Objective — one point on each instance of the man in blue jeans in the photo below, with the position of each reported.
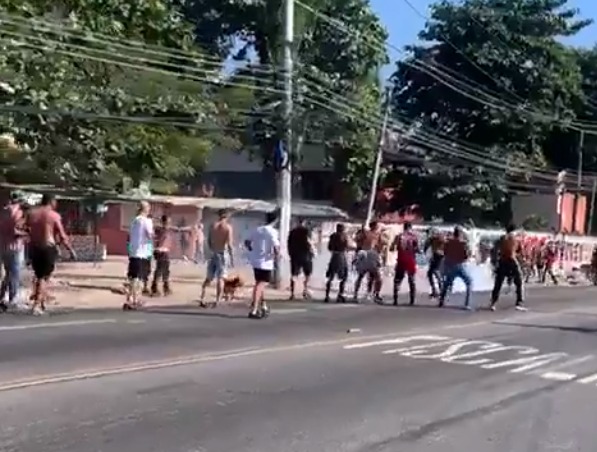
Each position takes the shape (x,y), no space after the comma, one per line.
(456,253)
(12,234)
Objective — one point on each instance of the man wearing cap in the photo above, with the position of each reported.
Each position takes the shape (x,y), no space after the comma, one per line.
(12,235)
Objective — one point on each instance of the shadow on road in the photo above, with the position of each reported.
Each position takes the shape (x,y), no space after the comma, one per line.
(573,329)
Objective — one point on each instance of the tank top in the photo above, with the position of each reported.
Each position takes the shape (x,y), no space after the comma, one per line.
(407,248)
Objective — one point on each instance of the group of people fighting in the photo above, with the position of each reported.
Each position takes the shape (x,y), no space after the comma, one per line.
(447,263)
(30,236)
(33,235)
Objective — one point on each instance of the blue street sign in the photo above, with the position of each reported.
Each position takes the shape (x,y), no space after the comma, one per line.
(281,157)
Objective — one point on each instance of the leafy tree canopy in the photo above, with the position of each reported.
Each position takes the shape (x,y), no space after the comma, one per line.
(335,65)
(90,105)
(513,83)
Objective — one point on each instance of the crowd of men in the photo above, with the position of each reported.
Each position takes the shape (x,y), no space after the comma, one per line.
(34,234)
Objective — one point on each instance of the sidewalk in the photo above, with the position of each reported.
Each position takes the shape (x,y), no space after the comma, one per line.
(99,286)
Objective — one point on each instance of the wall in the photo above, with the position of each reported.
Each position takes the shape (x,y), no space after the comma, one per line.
(548,207)
(113,228)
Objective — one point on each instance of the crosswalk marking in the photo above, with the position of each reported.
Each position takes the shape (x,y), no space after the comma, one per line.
(558,376)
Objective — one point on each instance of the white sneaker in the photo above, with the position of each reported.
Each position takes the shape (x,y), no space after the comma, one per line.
(521,308)
(37,311)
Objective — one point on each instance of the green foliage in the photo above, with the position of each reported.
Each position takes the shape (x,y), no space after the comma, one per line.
(513,53)
(86,117)
(330,64)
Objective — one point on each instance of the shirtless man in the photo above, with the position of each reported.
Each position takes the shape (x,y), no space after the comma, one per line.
(509,248)
(45,226)
(370,245)
(219,241)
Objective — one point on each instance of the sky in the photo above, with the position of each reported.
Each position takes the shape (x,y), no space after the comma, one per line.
(403,23)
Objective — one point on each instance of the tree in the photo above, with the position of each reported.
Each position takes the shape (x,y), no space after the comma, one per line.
(91,111)
(515,55)
(335,65)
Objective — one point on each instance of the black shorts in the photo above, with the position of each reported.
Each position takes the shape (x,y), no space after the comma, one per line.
(139,268)
(262,276)
(338,267)
(302,264)
(43,260)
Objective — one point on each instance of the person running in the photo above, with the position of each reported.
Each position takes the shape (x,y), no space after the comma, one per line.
(368,260)
(219,241)
(435,243)
(300,252)
(163,246)
(12,235)
(263,246)
(45,233)
(338,246)
(508,267)
(140,250)
(407,247)
(456,254)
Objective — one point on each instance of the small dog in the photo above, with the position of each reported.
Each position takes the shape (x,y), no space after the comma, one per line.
(231,285)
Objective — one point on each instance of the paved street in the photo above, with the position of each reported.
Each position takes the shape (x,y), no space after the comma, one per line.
(312,377)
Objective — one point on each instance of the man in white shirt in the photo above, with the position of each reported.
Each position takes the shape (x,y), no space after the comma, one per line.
(140,250)
(263,245)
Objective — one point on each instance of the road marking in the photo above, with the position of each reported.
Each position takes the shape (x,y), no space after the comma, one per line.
(135,322)
(289,311)
(558,376)
(30,326)
(565,365)
(80,375)
(588,379)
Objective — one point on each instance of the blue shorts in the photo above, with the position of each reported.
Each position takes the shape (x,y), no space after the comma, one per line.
(216,266)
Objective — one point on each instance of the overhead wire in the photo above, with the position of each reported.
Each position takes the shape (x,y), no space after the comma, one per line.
(160,62)
(422,66)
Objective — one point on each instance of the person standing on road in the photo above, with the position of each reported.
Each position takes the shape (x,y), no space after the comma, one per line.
(338,246)
(12,235)
(163,246)
(368,260)
(508,267)
(407,247)
(219,241)
(435,243)
(140,249)
(300,252)
(263,246)
(457,253)
(45,233)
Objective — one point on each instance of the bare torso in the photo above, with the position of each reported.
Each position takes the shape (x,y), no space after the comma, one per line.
(220,237)
(44,225)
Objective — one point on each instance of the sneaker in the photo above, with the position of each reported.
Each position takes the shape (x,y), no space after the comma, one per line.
(521,308)
(37,311)
(468,308)
(492,308)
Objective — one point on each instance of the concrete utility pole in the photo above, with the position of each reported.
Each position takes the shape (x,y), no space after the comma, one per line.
(378,160)
(581,144)
(285,176)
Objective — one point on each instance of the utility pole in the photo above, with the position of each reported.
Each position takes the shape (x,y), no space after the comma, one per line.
(378,160)
(581,144)
(285,176)
(592,209)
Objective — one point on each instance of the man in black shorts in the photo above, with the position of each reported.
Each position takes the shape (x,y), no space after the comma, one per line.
(338,265)
(45,233)
(300,251)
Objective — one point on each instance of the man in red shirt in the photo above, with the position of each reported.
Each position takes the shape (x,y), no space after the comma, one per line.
(456,253)
(407,246)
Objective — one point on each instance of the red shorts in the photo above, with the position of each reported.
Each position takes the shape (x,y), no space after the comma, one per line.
(408,266)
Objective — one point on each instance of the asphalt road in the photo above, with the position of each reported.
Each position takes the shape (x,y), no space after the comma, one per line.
(403,379)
